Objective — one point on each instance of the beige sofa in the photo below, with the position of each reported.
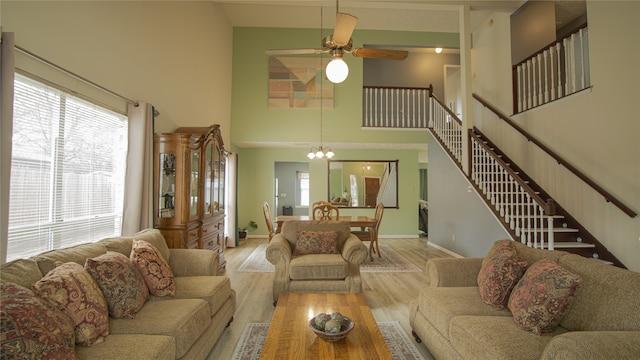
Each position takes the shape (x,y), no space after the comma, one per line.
(454,323)
(184,326)
(338,272)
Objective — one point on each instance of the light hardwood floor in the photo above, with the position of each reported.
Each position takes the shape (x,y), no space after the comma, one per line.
(388,294)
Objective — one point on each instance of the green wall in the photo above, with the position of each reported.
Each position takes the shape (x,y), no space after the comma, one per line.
(258,132)
(256,183)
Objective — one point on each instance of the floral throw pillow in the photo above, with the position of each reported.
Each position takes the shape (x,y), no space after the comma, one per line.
(74,291)
(154,268)
(316,242)
(501,269)
(543,296)
(31,328)
(121,283)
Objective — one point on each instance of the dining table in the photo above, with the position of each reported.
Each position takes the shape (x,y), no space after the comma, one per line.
(355,221)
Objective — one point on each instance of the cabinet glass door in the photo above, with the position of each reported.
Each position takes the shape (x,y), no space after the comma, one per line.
(208,179)
(167,186)
(216,179)
(193,188)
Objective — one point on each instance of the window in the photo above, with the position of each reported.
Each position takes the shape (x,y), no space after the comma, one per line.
(67,170)
(302,188)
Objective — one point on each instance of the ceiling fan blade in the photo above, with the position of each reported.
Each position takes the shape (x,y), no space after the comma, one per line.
(384,54)
(294,52)
(345,24)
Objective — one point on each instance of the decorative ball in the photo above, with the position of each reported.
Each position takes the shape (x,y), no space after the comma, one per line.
(332,327)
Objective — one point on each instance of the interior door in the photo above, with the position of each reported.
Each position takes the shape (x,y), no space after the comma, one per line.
(371,188)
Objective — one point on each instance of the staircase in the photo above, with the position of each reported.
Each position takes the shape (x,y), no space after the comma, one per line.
(567,234)
(526,211)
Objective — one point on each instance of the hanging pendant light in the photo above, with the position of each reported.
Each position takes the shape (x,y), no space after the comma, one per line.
(325,151)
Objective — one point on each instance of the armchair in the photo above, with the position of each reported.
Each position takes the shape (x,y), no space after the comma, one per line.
(316,272)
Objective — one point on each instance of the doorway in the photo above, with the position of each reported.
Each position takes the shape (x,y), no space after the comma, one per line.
(291,190)
(371,188)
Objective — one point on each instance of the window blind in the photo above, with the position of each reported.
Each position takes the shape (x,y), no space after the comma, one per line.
(67,170)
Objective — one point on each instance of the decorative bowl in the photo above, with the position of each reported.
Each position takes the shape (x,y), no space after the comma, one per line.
(345,328)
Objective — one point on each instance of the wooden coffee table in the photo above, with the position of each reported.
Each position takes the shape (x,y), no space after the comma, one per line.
(289,336)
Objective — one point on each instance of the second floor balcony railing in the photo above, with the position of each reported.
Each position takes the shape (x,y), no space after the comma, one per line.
(395,107)
(558,70)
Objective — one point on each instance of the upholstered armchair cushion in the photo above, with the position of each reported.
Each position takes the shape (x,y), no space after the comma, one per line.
(316,272)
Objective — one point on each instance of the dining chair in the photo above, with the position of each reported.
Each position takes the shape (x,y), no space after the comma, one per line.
(371,234)
(266,210)
(325,211)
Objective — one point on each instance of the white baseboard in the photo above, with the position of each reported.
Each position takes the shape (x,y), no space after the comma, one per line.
(447,251)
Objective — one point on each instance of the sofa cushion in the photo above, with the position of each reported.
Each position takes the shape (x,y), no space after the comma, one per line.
(215,290)
(70,287)
(542,297)
(316,242)
(442,304)
(496,338)
(607,299)
(318,267)
(77,254)
(145,347)
(31,328)
(183,319)
(501,269)
(290,229)
(154,268)
(24,272)
(123,244)
(121,284)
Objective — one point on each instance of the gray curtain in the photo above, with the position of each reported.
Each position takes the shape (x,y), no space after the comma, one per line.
(7,74)
(138,190)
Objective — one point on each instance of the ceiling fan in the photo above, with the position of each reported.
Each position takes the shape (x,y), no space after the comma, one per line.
(338,44)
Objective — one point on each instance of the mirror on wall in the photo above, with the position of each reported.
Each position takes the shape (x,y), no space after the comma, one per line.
(363,184)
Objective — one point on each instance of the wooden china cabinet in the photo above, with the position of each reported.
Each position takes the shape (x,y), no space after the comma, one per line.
(189,179)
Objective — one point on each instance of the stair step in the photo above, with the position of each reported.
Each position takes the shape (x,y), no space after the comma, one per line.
(537,216)
(570,245)
(606,262)
(565,230)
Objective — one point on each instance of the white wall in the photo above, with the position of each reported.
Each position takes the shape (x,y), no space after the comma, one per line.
(597,131)
(175,55)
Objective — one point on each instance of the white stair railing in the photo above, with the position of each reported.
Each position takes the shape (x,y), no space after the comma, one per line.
(395,107)
(447,128)
(523,211)
(558,70)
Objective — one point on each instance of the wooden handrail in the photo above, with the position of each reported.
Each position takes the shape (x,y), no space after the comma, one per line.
(607,196)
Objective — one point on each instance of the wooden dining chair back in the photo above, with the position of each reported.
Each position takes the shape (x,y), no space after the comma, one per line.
(371,234)
(325,211)
(318,203)
(266,210)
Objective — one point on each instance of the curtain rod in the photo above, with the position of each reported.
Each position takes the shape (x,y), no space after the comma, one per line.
(72,74)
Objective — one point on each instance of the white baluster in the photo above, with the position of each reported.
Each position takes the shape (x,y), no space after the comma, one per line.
(534,82)
(546,75)
(567,69)
(550,238)
(559,63)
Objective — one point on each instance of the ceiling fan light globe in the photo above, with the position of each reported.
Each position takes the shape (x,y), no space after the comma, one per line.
(337,70)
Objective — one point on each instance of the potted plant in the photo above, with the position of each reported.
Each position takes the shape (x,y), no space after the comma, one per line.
(252,225)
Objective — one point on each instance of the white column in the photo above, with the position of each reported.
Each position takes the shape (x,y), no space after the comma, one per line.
(465,82)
